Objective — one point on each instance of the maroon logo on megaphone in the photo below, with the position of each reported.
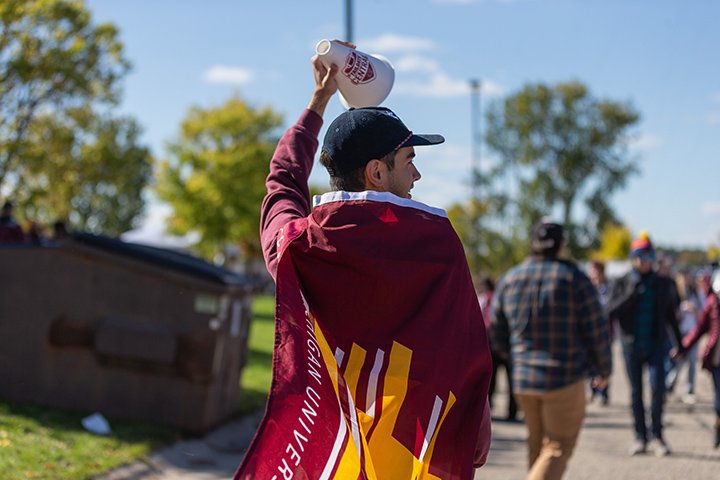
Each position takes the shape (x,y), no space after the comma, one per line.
(358,68)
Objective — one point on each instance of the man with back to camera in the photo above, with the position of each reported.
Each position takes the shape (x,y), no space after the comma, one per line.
(645,305)
(547,319)
(384,276)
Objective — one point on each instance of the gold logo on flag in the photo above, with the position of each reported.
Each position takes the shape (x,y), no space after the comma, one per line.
(381,451)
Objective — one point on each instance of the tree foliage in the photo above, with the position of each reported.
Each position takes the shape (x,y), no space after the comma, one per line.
(713,253)
(488,250)
(690,257)
(565,147)
(86,169)
(491,246)
(614,243)
(215,176)
(56,68)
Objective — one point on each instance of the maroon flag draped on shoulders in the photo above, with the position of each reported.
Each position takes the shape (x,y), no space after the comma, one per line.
(381,363)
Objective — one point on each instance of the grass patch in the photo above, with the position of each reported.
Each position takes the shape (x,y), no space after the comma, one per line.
(48,443)
(257,374)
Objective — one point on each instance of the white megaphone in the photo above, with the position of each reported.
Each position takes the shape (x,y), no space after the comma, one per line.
(363,80)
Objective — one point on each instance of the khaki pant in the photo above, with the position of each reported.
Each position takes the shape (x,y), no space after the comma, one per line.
(553,420)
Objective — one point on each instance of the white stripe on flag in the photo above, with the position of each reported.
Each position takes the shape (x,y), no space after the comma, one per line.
(431,426)
(339,439)
(354,427)
(339,355)
(372,383)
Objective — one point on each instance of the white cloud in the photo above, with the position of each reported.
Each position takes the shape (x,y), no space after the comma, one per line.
(390,42)
(715,97)
(431,80)
(229,75)
(416,63)
(711,208)
(491,89)
(645,141)
(441,85)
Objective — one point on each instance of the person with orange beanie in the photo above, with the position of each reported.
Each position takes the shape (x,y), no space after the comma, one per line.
(645,305)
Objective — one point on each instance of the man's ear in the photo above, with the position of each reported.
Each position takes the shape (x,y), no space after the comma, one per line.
(375,175)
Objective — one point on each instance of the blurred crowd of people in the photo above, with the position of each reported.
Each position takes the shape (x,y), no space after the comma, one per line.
(551,325)
(12,233)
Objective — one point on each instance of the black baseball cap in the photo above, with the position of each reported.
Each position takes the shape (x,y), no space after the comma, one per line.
(362,134)
(547,235)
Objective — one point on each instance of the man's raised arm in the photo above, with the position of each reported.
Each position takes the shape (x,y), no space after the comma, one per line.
(288,195)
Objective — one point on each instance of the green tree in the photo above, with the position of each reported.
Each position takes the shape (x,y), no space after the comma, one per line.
(52,57)
(690,257)
(488,250)
(490,246)
(564,147)
(713,253)
(615,242)
(87,169)
(215,176)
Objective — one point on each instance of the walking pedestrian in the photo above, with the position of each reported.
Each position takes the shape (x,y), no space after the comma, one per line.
(709,324)
(548,321)
(596,272)
(486,292)
(691,306)
(645,305)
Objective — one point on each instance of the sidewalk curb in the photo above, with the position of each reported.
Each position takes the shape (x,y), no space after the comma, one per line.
(212,457)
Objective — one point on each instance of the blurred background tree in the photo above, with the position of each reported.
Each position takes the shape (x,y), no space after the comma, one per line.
(615,242)
(86,169)
(491,244)
(713,253)
(563,147)
(214,178)
(57,71)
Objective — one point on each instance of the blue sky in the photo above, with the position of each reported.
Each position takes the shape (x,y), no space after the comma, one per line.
(660,55)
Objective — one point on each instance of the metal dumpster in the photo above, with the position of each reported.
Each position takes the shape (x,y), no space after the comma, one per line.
(102,325)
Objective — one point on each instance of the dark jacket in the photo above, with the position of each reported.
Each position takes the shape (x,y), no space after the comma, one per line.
(623,300)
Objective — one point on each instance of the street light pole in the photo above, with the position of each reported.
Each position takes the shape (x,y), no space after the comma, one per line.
(475,87)
(476,214)
(348,21)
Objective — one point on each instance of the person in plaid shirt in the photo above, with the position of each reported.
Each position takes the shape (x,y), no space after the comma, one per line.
(548,320)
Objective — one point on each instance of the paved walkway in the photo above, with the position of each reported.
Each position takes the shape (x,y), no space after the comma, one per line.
(213,457)
(601,452)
